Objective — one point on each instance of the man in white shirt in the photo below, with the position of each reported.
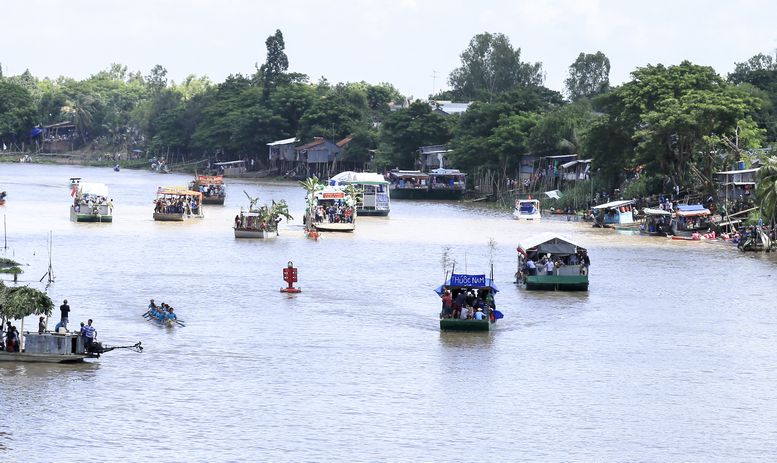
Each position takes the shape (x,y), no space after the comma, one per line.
(549,266)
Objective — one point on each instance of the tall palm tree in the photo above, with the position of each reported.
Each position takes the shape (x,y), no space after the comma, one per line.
(766,191)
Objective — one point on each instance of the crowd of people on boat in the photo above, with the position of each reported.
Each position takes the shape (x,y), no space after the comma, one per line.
(11,342)
(464,304)
(209,191)
(334,213)
(89,203)
(162,313)
(177,205)
(549,264)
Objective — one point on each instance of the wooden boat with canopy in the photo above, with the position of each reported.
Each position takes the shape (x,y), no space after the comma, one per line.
(480,291)
(91,203)
(570,264)
(655,222)
(212,188)
(176,203)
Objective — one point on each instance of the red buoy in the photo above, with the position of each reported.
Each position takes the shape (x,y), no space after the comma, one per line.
(290,277)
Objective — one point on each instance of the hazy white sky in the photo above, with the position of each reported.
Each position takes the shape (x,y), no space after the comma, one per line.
(404,42)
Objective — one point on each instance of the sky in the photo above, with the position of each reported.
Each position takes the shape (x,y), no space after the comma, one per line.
(412,44)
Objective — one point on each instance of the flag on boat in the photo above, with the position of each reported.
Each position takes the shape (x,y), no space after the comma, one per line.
(498,315)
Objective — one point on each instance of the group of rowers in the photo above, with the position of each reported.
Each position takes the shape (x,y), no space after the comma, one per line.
(161,313)
(466,305)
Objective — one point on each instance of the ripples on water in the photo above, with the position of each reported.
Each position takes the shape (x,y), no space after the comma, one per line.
(668,357)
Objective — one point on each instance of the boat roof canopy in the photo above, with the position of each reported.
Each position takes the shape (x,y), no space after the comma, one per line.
(408,173)
(228,163)
(97,189)
(467,281)
(653,211)
(552,243)
(210,179)
(613,204)
(177,190)
(692,210)
(442,171)
(369,178)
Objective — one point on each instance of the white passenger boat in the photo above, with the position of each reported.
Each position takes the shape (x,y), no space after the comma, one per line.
(373,198)
(527,209)
(331,209)
(91,203)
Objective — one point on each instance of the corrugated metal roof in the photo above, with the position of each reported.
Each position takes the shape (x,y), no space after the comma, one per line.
(541,238)
(283,142)
(614,204)
(313,144)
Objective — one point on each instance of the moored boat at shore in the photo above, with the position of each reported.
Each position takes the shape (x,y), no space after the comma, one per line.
(527,209)
(91,203)
(550,262)
(175,204)
(690,220)
(468,303)
(655,222)
(613,213)
(437,184)
(212,188)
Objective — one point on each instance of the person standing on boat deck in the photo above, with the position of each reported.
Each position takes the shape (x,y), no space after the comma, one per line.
(447,304)
(479,314)
(458,303)
(64,311)
(549,266)
(42,325)
(531,266)
(90,334)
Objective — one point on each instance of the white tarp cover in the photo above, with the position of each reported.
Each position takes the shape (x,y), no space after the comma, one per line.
(97,189)
(555,194)
(283,142)
(614,204)
(359,177)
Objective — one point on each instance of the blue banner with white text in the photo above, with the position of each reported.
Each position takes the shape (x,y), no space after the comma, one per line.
(468,280)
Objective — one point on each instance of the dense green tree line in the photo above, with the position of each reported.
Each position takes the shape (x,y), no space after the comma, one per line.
(676,123)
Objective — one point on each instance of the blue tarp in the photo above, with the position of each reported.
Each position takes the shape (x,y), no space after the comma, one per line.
(36,131)
(690,207)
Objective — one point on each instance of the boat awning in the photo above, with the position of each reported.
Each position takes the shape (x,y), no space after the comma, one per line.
(652,211)
(210,179)
(97,189)
(550,243)
(228,163)
(468,281)
(368,178)
(733,172)
(613,204)
(692,210)
(177,190)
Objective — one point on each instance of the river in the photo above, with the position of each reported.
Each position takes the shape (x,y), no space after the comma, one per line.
(669,357)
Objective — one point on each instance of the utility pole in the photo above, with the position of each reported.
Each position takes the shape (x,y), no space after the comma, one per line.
(434,81)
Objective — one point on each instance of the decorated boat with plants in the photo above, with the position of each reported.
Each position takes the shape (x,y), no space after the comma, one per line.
(176,204)
(43,346)
(260,221)
(91,203)
(212,188)
(655,222)
(613,214)
(551,262)
(329,208)
(527,209)
(372,191)
(691,220)
(468,303)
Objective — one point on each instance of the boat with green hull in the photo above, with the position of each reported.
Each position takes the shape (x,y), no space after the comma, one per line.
(438,184)
(468,303)
(91,203)
(550,262)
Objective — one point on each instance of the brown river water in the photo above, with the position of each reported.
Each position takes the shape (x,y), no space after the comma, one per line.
(669,357)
